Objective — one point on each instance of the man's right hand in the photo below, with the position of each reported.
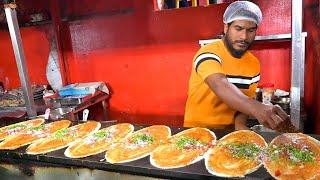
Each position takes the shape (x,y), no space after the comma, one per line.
(271,116)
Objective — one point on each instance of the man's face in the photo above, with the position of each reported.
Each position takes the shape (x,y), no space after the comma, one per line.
(239,35)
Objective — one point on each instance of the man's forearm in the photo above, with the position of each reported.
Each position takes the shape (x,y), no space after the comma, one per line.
(269,116)
(231,95)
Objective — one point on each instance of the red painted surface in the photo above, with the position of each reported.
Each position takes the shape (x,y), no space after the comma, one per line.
(275,63)
(78,8)
(36,50)
(312,86)
(145,55)
(150,87)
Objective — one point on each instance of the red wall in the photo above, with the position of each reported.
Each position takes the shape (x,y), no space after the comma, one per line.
(145,55)
(36,50)
(312,86)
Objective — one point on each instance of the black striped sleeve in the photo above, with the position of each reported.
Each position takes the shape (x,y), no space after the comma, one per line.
(243,82)
(205,57)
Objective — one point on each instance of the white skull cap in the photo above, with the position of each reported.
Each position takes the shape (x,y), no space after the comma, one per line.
(242,10)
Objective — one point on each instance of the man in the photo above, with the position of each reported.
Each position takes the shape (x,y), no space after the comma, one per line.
(224,76)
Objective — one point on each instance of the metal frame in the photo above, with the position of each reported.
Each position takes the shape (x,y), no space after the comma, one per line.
(298,41)
(274,37)
(298,62)
(13,25)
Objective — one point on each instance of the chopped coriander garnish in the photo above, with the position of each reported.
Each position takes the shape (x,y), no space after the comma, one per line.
(188,141)
(60,133)
(294,154)
(142,138)
(17,126)
(304,156)
(101,134)
(244,150)
(38,128)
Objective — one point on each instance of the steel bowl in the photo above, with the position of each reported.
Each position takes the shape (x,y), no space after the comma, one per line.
(284,103)
(261,128)
(62,113)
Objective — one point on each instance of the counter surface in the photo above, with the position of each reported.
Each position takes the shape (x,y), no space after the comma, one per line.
(138,167)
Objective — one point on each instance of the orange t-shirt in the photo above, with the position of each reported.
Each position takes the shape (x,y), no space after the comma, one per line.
(204,108)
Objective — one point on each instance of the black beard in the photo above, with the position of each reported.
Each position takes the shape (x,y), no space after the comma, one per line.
(235,53)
